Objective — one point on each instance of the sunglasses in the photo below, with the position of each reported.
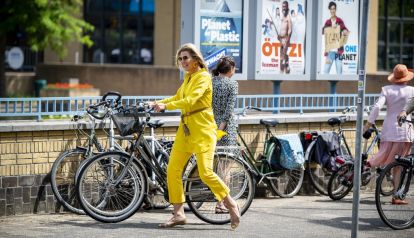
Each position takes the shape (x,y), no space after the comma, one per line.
(184,58)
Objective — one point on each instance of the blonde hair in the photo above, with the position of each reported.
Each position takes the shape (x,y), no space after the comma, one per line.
(194,52)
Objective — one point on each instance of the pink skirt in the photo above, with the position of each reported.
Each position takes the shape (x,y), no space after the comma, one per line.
(387,152)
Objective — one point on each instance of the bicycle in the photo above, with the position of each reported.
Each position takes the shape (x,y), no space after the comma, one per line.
(64,168)
(111,186)
(318,172)
(397,216)
(283,182)
(341,180)
(63,173)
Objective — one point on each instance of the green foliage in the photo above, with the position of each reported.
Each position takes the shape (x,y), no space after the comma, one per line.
(52,23)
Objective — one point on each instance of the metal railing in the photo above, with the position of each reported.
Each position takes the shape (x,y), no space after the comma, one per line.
(49,106)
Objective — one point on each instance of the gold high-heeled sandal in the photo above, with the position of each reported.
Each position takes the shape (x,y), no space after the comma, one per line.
(173,222)
(234,223)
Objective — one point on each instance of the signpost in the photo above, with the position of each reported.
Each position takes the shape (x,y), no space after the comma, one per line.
(360,110)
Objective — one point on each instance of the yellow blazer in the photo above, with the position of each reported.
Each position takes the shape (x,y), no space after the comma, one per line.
(195,92)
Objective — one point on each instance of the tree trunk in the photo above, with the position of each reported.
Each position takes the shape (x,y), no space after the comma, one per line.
(2,68)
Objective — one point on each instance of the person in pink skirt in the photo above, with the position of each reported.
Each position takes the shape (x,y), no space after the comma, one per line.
(395,139)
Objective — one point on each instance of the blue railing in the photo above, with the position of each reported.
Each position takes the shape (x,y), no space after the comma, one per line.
(48,106)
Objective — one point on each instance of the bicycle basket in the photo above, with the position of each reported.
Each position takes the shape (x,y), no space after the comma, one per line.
(127,121)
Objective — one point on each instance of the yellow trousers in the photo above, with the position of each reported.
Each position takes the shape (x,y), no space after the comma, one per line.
(178,159)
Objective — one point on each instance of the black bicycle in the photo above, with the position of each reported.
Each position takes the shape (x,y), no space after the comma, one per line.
(112,186)
(397,215)
(318,172)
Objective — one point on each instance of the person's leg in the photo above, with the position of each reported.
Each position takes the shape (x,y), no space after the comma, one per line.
(328,63)
(338,63)
(404,149)
(282,58)
(216,185)
(175,168)
(382,156)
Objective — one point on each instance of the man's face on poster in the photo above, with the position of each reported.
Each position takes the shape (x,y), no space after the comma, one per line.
(277,12)
(285,9)
(333,10)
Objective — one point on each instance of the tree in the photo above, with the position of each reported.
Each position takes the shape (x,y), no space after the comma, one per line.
(46,23)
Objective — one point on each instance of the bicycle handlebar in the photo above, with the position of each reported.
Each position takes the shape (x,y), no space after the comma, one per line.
(93,110)
(243,111)
(112,93)
(401,120)
(367,109)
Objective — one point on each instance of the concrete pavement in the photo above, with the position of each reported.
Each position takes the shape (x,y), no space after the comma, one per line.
(301,216)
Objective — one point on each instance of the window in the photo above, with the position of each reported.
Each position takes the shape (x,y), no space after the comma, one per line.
(124,31)
(395,33)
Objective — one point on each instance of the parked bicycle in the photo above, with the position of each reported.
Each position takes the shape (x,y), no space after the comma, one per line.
(63,174)
(400,174)
(112,186)
(64,168)
(341,181)
(320,167)
(283,182)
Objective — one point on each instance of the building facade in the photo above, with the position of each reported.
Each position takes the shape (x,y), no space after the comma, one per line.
(146,33)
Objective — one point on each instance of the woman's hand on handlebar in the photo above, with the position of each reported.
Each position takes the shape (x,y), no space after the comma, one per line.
(159,107)
(402,115)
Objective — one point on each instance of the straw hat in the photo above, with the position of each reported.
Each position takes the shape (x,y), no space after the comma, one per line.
(401,74)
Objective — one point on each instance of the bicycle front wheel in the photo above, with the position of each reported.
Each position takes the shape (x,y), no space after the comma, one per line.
(234,174)
(341,182)
(108,190)
(62,179)
(287,183)
(396,216)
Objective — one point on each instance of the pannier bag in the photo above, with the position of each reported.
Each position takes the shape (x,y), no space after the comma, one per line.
(292,156)
(285,152)
(326,149)
(127,121)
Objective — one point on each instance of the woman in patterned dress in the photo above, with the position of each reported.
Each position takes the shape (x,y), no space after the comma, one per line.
(225,93)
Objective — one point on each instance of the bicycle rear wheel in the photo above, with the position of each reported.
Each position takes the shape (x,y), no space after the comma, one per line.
(62,179)
(396,216)
(235,175)
(100,197)
(318,175)
(341,182)
(287,183)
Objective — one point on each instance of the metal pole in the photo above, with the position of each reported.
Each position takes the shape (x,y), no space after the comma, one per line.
(364,6)
(276,91)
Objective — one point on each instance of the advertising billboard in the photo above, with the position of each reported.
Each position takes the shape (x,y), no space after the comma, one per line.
(221,31)
(339,34)
(281,45)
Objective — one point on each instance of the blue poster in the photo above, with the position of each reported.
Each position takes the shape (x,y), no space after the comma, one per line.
(221,31)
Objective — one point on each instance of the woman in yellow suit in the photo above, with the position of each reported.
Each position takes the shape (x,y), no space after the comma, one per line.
(196,134)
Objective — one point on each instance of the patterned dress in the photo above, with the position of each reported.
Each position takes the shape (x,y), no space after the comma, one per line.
(225,92)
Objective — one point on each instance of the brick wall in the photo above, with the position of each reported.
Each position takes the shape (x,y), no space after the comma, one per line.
(26,158)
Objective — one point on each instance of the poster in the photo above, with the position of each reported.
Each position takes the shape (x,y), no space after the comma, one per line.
(339,25)
(283,32)
(221,31)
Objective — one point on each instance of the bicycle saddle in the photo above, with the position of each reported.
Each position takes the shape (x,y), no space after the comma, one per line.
(269,122)
(336,121)
(156,124)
